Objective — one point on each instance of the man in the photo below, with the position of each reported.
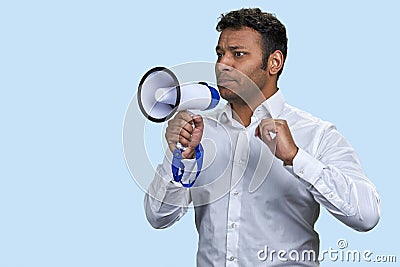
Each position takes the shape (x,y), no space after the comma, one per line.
(267,166)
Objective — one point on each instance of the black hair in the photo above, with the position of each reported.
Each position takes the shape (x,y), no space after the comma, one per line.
(273,32)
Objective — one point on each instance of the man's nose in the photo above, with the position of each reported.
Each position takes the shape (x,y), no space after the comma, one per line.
(222,66)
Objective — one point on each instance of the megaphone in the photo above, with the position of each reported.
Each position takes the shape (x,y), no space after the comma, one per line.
(160,95)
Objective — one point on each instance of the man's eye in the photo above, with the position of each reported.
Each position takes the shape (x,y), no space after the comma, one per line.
(239,54)
(219,54)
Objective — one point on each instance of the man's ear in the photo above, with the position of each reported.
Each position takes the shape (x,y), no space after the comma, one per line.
(275,62)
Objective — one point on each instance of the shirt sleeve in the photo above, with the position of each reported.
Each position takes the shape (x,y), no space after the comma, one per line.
(338,182)
(166,201)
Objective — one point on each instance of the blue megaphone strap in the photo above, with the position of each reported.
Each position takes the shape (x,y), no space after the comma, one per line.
(178,168)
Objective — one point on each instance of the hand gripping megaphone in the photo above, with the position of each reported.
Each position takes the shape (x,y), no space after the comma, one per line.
(160,95)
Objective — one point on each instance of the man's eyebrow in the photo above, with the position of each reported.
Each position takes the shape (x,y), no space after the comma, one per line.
(235,47)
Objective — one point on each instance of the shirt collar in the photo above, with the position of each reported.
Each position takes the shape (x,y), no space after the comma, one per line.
(272,106)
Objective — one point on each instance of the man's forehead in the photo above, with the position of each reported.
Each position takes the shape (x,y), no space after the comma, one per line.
(238,38)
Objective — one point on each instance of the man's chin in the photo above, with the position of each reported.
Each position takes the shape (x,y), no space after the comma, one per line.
(226,93)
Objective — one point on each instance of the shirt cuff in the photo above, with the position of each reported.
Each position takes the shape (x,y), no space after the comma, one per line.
(167,171)
(159,188)
(307,167)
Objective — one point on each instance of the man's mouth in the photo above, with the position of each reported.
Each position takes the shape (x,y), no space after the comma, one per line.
(226,82)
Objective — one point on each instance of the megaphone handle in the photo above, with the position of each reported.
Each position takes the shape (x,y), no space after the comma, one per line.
(179,145)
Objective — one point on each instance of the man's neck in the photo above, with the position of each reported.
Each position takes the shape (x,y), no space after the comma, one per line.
(242,111)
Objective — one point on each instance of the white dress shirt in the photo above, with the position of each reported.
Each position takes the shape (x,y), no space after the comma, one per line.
(247,203)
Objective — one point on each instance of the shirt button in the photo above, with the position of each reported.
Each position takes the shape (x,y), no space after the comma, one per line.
(231,258)
(301,171)
(235,193)
(233,225)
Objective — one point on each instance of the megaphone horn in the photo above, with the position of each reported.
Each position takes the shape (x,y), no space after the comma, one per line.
(160,95)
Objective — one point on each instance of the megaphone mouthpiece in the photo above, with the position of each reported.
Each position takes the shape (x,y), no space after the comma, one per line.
(166,95)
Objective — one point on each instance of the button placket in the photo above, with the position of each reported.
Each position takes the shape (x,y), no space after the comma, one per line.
(234,203)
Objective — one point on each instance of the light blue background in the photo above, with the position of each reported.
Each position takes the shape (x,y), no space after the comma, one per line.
(68,70)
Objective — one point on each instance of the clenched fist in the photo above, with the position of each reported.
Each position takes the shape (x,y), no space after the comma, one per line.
(282,144)
(187,130)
